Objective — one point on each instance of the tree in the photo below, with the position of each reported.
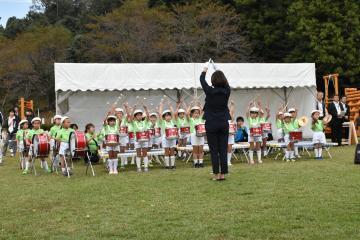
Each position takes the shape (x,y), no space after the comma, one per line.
(328,33)
(206,29)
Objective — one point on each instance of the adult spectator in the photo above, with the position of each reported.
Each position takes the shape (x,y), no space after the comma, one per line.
(1,120)
(29,115)
(12,124)
(16,110)
(241,133)
(336,109)
(320,104)
(346,108)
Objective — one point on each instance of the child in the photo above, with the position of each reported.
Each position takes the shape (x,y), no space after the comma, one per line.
(196,142)
(36,123)
(255,141)
(279,126)
(231,138)
(92,144)
(23,147)
(140,125)
(242,131)
(264,119)
(295,122)
(121,121)
(74,126)
(288,127)
(110,127)
(318,127)
(182,121)
(63,137)
(54,151)
(155,141)
(167,144)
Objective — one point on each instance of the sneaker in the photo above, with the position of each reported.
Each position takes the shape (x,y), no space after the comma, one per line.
(167,167)
(25,172)
(11,154)
(65,174)
(48,170)
(260,161)
(201,165)
(252,162)
(115,172)
(173,167)
(320,158)
(287,160)
(293,160)
(139,170)
(229,164)
(146,170)
(196,165)
(298,156)
(150,164)
(111,172)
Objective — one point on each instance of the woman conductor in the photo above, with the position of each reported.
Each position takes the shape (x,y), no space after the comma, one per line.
(217,116)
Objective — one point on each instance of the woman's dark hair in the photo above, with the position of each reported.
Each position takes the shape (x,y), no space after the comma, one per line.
(88,126)
(12,110)
(218,79)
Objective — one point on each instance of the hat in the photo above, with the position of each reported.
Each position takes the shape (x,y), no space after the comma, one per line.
(36,119)
(111,117)
(181,110)
(287,114)
(23,121)
(195,108)
(254,109)
(153,114)
(291,110)
(119,110)
(165,112)
(137,111)
(314,111)
(280,113)
(57,117)
(64,118)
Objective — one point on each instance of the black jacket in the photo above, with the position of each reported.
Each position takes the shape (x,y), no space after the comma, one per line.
(16,125)
(216,101)
(1,119)
(333,112)
(323,107)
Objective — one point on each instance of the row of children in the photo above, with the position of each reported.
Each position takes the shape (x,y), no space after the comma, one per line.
(186,119)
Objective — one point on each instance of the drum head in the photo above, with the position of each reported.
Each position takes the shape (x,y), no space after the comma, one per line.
(35,142)
(72,143)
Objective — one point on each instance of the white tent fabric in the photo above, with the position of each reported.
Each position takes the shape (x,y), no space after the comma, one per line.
(95,76)
(84,92)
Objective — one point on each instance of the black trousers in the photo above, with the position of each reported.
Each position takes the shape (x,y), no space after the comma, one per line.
(336,131)
(217,136)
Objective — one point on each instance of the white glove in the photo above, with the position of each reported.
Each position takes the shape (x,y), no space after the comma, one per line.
(207,64)
(213,65)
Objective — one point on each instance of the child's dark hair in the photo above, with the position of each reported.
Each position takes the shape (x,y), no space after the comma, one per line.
(74,125)
(240,119)
(88,126)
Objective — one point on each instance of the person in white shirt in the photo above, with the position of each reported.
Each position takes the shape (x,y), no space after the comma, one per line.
(12,124)
(336,109)
(320,104)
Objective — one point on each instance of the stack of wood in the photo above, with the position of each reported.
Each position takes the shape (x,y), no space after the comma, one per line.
(353,99)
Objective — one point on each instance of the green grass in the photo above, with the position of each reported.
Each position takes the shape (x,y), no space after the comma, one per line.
(308,199)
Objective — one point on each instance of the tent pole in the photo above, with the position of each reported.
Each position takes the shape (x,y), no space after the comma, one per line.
(285,96)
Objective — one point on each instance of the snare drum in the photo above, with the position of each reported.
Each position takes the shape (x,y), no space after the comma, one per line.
(256,131)
(151,132)
(41,146)
(78,144)
(123,131)
(185,130)
(266,127)
(131,135)
(200,130)
(171,133)
(295,136)
(142,136)
(157,132)
(232,128)
(112,139)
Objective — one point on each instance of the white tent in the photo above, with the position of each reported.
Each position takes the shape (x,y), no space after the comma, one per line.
(85,92)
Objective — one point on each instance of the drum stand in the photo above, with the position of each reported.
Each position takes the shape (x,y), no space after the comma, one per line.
(33,165)
(54,162)
(66,163)
(89,164)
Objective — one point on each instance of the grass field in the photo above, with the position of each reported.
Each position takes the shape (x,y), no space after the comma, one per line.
(308,199)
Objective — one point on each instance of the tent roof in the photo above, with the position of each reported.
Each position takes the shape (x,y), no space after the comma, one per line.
(95,76)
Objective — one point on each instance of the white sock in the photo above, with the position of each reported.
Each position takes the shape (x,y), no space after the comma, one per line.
(27,165)
(265,150)
(179,153)
(138,162)
(45,165)
(132,160)
(229,158)
(296,149)
(201,161)
(125,161)
(287,154)
(258,155)
(122,161)
(195,161)
(316,152)
(251,155)
(291,154)
(115,163)
(110,164)
(320,152)
(167,163)
(172,160)
(146,162)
